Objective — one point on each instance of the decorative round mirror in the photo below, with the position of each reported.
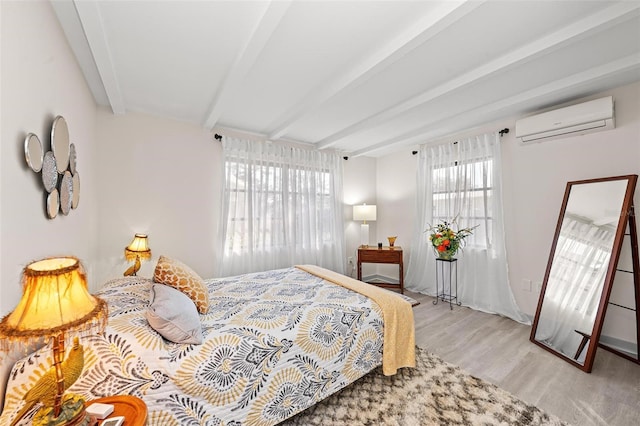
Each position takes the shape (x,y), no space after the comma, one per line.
(75,200)
(49,172)
(53,203)
(60,143)
(33,152)
(66,193)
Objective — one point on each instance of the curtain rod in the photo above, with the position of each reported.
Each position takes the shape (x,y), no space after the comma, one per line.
(502,133)
(218,137)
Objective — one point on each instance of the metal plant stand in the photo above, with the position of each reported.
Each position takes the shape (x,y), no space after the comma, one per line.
(440,278)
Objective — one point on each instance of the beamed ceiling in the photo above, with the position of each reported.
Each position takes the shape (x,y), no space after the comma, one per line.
(362,77)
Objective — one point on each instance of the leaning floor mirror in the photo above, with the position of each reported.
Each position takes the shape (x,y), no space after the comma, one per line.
(596,222)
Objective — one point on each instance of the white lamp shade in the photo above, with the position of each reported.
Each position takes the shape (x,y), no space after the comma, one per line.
(364,212)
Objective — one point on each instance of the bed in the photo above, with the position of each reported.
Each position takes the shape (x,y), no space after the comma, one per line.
(274,343)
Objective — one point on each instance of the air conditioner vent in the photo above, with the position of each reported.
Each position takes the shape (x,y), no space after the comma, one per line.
(579,119)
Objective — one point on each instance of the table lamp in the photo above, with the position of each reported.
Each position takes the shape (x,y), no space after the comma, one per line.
(137,251)
(364,213)
(55,304)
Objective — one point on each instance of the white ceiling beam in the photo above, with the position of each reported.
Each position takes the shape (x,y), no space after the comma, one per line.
(507,105)
(91,20)
(427,27)
(246,59)
(592,23)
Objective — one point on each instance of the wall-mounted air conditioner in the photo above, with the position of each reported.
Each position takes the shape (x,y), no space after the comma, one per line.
(587,117)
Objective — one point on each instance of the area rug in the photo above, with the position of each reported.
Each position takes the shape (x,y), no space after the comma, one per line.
(433,393)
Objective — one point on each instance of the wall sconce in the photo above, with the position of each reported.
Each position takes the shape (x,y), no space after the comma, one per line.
(137,251)
(364,213)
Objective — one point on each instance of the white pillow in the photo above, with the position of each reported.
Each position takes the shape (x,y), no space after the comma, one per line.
(174,315)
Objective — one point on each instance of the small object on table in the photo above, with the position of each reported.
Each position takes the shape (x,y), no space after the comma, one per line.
(392,240)
(379,246)
(100,411)
(132,408)
(113,421)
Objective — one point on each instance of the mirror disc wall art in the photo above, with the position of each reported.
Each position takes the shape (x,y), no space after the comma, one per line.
(62,194)
(76,190)
(72,159)
(33,152)
(53,204)
(66,192)
(49,172)
(60,143)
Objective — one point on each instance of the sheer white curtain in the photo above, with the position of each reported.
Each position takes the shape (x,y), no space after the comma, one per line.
(575,284)
(282,206)
(463,180)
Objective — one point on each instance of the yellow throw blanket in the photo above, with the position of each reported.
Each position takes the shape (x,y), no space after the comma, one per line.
(399,335)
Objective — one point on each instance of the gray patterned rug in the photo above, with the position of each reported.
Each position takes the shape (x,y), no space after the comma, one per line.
(434,393)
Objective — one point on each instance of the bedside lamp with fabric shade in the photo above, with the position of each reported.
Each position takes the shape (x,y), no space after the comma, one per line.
(364,213)
(137,251)
(54,304)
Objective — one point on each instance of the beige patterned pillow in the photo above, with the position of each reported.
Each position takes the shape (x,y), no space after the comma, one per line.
(178,275)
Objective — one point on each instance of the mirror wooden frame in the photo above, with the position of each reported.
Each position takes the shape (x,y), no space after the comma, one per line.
(627,218)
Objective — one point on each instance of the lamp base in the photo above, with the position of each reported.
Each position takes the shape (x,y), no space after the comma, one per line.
(72,414)
(364,235)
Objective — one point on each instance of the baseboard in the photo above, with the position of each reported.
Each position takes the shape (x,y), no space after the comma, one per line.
(377,278)
(620,345)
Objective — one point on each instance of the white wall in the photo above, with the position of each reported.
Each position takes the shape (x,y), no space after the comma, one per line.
(396,204)
(163,178)
(39,80)
(534,180)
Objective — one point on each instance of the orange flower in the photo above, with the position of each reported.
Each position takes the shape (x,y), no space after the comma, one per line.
(442,248)
(446,242)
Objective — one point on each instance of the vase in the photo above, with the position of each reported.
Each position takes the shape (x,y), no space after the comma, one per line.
(392,241)
(447,254)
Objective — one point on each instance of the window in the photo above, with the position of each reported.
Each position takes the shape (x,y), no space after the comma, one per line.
(466,188)
(268,199)
(282,206)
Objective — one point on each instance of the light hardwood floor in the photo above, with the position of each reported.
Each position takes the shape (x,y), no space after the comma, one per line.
(498,350)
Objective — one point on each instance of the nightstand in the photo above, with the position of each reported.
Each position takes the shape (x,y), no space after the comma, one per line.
(382,255)
(131,407)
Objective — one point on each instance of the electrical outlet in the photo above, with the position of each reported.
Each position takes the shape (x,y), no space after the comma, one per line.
(526,285)
(350,259)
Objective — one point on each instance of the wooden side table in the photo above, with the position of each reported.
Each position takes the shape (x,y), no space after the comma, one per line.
(386,254)
(131,407)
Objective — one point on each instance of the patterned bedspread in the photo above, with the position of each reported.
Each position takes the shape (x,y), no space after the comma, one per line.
(275,343)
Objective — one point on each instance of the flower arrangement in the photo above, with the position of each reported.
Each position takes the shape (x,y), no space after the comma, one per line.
(445,240)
